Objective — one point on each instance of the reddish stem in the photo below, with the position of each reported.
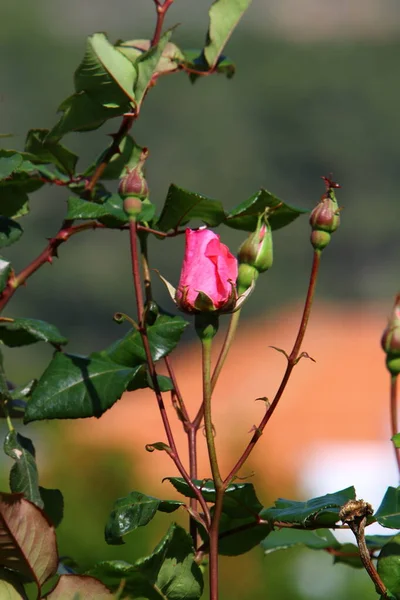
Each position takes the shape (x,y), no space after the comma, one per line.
(46,256)
(173,453)
(161,12)
(292,361)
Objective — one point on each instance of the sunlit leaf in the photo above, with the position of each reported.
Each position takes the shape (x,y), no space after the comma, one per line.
(224,16)
(22,332)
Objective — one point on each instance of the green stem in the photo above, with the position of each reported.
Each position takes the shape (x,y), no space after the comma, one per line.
(292,361)
(230,334)
(394,416)
(206,345)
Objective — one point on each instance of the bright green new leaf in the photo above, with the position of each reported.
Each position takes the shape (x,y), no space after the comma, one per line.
(74,387)
(182,206)
(279,213)
(170,573)
(388,514)
(133,511)
(146,66)
(10,231)
(104,86)
(396,440)
(24,474)
(224,16)
(314,514)
(48,150)
(22,332)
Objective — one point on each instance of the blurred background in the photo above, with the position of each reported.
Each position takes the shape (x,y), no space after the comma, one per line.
(316,91)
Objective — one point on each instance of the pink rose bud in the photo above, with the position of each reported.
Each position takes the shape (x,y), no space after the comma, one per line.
(325,218)
(208,276)
(391,340)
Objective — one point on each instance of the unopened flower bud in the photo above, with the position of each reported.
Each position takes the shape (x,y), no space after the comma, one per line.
(325,217)
(134,182)
(391,340)
(257,250)
(132,206)
(247,276)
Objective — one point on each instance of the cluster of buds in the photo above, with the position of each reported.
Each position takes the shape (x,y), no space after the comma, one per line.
(255,255)
(133,187)
(325,218)
(391,340)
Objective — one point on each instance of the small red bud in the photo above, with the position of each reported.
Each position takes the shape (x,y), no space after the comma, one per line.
(132,206)
(325,217)
(134,182)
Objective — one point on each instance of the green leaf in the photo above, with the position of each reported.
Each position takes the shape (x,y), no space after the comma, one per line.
(9,162)
(163,337)
(128,157)
(143,380)
(74,387)
(182,206)
(170,59)
(14,201)
(316,513)
(79,587)
(85,210)
(224,16)
(146,66)
(53,502)
(279,213)
(22,332)
(10,231)
(170,573)
(317,539)
(238,536)
(5,272)
(240,500)
(133,511)
(24,475)
(48,150)
(104,85)
(388,514)
(396,440)
(10,586)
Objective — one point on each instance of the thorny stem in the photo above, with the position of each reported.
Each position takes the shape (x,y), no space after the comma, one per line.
(173,453)
(46,256)
(358,528)
(393,416)
(230,334)
(161,12)
(292,361)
